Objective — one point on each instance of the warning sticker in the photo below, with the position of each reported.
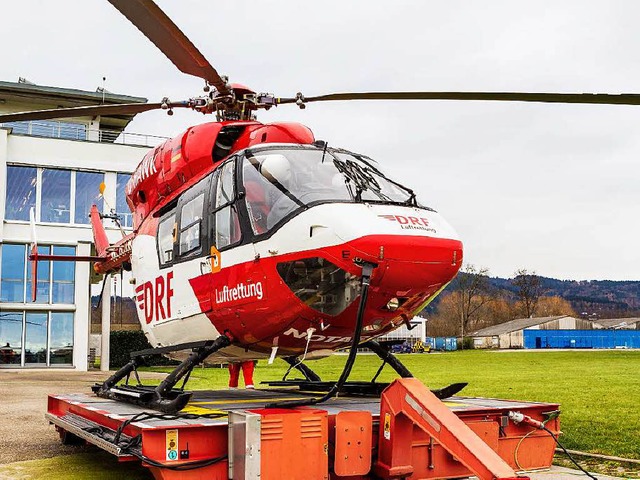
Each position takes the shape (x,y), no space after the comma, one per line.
(387,426)
(172,444)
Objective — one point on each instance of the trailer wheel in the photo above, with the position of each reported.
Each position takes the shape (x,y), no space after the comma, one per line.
(68,438)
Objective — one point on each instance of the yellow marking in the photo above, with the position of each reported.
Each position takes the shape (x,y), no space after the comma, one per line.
(202,411)
(216,260)
(256,400)
(176,157)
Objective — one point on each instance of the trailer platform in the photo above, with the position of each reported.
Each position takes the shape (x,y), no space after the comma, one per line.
(229,434)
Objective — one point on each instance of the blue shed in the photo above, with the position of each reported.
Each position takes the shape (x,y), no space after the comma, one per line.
(581,339)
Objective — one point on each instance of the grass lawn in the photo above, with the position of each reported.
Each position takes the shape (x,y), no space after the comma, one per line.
(599,392)
(96,466)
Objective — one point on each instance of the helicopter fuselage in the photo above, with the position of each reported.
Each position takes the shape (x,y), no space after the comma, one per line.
(266,245)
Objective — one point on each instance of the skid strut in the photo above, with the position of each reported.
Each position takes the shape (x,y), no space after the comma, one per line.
(309,374)
(163,397)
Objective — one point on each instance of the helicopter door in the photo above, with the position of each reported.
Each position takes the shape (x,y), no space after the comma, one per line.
(190,266)
(236,277)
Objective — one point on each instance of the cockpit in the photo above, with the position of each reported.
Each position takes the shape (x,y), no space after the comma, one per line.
(256,191)
(280,181)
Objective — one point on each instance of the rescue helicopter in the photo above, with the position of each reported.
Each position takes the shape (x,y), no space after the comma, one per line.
(256,240)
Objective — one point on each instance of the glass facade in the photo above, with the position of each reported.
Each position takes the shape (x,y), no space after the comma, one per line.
(61,338)
(12,275)
(21,192)
(122,209)
(36,337)
(11,338)
(47,338)
(56,196)
(62,279)
(55,281)
(61,196)
(43,286)
(87,194)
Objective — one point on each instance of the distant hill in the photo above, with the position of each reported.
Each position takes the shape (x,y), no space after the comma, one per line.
(601,298)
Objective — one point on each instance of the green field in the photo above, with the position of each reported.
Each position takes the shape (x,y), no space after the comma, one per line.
(598,392)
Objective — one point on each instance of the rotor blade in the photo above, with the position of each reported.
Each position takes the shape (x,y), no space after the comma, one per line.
(165,35)
(601,98)
(89,111)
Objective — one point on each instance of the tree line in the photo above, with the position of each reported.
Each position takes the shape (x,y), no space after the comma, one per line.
(474,303)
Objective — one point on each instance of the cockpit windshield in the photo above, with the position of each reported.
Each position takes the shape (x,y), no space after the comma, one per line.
(280,181)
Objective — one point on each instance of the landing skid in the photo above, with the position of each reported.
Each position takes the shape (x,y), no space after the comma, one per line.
(164,397)
(313,383)
(359,389)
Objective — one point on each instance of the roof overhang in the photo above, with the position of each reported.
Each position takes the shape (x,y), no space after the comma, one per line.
(40,96)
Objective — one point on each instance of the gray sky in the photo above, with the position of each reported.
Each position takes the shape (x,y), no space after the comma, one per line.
(553,188)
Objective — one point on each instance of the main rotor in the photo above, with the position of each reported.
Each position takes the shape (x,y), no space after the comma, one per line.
(237,102)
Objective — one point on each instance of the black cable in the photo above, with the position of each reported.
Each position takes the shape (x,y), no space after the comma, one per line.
(129,446)
(142,416)
(567,453)
(367,269)
(181,467)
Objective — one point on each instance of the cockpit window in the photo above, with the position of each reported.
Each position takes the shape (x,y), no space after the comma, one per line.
(367,183)
(281,181)
(278,182)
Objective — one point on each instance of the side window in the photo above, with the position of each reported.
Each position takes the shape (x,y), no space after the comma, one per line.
(190,224)
(227,225)
(165,238)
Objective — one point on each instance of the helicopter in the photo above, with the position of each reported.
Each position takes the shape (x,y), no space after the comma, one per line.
(256,240)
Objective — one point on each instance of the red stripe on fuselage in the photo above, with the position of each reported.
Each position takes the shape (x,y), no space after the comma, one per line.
(252,302)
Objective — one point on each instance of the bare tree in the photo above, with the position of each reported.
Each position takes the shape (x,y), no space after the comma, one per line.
(474,292)
(529,289)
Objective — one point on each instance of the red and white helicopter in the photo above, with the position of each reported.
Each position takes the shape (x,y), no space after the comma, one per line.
(256,240)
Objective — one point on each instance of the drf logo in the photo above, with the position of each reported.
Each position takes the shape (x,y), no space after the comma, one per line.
(402,220)
(410,223)
(154,298)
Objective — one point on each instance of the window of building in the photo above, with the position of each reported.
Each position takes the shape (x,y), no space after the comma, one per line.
(60,196)
(10,338)
(12,274)
(61,338)
(35,338)
(63,277)
(122,208)
(21,192)
(165,238)
(55,282)
(43,286)
(190,223)
(56,196)
(87,194)
(47,336)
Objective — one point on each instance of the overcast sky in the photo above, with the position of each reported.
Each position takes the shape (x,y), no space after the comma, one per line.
(550,188)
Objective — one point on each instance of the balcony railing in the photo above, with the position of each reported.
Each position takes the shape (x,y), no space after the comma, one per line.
(78,131)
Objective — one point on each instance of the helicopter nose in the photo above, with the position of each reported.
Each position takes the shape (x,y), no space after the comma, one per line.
(410,265)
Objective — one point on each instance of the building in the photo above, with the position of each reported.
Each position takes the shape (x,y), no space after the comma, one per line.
(512,334)
(618,323)
(417,330)
(560,332)
(56,168)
